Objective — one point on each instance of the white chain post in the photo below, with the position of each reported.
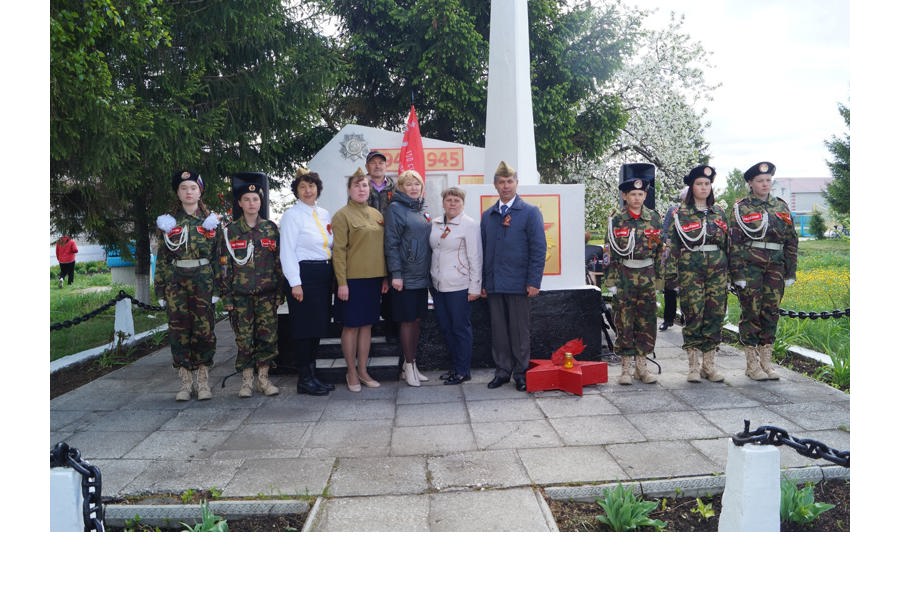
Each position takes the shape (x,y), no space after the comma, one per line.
(752,497)
(124,324)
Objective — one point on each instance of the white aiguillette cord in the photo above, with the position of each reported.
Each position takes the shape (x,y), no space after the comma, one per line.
(239,261)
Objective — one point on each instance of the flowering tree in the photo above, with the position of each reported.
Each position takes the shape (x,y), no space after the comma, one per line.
(663,90)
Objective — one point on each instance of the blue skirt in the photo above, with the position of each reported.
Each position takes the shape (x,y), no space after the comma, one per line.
(364,305)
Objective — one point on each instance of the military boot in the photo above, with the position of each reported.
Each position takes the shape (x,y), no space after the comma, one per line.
(693,365)
(708,370)
(625,377)
(203,391)
(319,382)
(246,383)
(765,361)
(753,371)
(640,369)
(187,384)
(263,384)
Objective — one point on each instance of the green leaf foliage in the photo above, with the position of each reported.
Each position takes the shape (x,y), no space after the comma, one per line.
(210,522)
(623,512)
(838,191)
(798,504)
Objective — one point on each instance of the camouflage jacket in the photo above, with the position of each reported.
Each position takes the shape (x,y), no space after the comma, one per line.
(261,274)
(647,243)
(761,221)
(188,240)
(686,231)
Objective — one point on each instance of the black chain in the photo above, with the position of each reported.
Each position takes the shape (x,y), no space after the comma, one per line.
(122,295)
(92,508)
(775,436)
(800,314)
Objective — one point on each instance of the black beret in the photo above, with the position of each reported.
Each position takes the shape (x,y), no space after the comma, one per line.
(179,176)
(698,172)
(761,168)
(635,183)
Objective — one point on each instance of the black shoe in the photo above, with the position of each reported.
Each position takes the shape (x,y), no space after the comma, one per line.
(319,382)
(457,379)
(449,375)
(521,385)
(665,326)
(307,385)
(497,381)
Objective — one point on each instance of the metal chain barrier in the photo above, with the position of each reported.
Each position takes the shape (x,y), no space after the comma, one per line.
(800,314)
(775,436)
(121,296)
(92,508)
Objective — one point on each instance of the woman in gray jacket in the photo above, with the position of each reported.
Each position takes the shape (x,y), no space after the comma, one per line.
(408,257)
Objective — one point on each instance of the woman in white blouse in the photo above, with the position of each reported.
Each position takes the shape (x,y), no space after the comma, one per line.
(456,280)
(306,243)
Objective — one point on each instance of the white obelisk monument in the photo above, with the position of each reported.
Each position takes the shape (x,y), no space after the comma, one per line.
(509,128)
(509,137)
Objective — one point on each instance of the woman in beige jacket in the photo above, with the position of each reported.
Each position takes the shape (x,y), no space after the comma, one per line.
(456,280)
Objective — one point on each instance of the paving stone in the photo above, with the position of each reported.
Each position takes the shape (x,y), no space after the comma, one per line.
(548,466)
(515,509)
(442,413)
(266,436)
(117,474)
(296,409)
(481,469)
(510,409)
(178,445)
(359,409)
(731,420)
(710,396)
(812,415)
(95,445)
(680,425)
(575,406)
(515,434)
(377,513)
(208,419)
(661,459)
(177,476)
(280,477)
(351,438)
(126,420)
(592,431)
(432,439)
(66,420)
(429,394)
(642,402)
(388,475)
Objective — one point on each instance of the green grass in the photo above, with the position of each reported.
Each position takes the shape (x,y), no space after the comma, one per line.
(92,289)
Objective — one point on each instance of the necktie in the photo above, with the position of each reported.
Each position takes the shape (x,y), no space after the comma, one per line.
(322,231)
(503,209)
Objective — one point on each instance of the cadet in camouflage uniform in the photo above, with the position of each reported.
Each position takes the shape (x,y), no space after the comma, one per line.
(762,261)
(251,289)
(698,263)
(185,283)
(634,236)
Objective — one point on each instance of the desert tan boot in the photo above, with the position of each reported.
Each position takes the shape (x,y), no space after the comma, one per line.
(693,365)
(625,377)
(708,370)
(263,383)
(184,394)
(246,383)
(753,371)
(765,361)
(640,369)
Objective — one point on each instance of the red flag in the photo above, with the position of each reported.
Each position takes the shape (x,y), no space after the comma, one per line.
(412,155)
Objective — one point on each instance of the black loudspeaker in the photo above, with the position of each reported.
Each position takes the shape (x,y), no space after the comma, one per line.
(645,171)
(239,180)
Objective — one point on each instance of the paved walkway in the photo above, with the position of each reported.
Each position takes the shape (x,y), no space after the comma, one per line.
(436,458)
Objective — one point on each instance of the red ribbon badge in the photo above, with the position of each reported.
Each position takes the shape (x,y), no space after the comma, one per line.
(174,231)
(328,227)
(691,226)
(621,231)
(207,233)
(722,224)
(507,220)
(446,233)
(238,244)
(750,217)
(786,217)
(268,243)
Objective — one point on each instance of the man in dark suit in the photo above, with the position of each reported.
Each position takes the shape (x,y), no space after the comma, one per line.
(514,249)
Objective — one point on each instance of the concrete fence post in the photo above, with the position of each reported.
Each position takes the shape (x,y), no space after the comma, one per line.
(66,500)
(752,497)
(124,326)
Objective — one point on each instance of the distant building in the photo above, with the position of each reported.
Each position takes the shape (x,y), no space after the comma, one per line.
(803,195)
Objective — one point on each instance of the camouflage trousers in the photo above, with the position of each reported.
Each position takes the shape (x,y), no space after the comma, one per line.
(192,319)
(634,315)
(760,301)
(703,296)
(254,320)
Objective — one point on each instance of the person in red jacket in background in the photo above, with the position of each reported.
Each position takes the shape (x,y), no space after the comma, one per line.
(66,249)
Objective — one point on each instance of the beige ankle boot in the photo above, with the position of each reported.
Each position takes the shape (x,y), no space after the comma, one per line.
(753,370)
(203,391)
(765,361)
(693,365)
(409,374)
(246,383)
(708,370)
(625,377)
(640,369)
(187,384)
(263,384)
(419,376)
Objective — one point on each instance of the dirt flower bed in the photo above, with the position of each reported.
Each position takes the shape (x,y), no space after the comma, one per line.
(681,514)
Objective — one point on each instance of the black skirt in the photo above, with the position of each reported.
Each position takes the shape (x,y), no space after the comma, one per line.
(364,305)
(409,305)
(310,318)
